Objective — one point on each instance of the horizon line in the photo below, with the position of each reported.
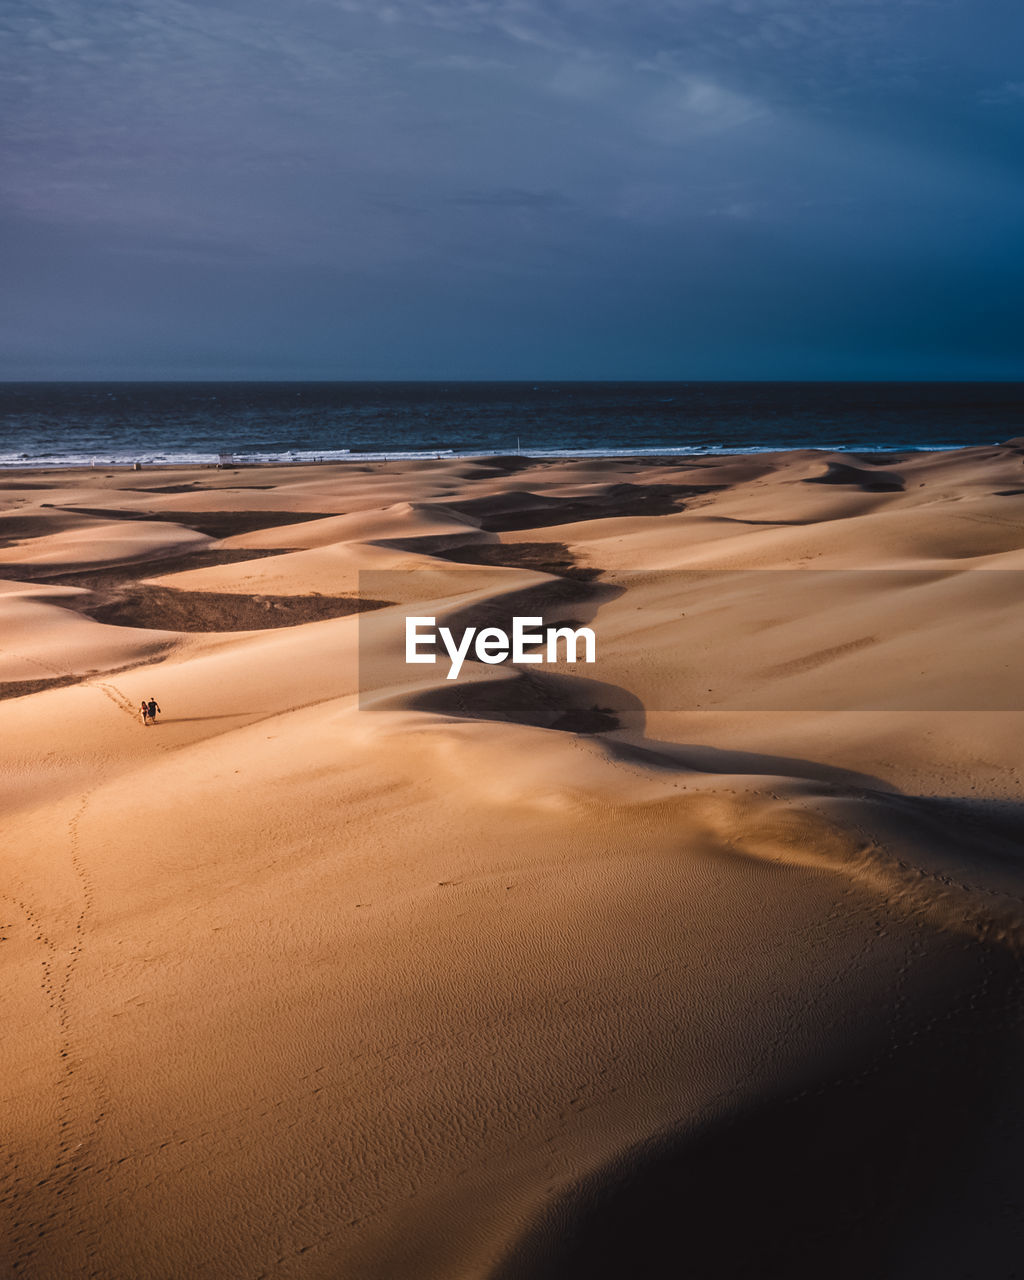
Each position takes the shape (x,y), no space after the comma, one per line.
(536,382)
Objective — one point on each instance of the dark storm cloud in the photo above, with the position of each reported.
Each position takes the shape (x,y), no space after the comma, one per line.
(506,188)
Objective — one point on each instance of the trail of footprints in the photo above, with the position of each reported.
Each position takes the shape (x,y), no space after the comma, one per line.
(34,1207)
(115,695)
(76,1123)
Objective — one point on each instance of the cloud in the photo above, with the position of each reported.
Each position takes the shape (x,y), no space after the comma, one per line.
(1008,94)
(692,106)
(490,148)
(510,198)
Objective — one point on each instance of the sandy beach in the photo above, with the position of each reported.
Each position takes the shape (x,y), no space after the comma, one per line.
(703,963)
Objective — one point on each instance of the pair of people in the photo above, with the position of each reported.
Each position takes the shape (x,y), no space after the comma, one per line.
(149,709)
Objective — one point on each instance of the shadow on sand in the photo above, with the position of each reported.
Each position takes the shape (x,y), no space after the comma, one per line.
(859,1175)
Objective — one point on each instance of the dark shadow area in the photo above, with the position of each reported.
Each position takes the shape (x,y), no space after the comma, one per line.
(967,841)
(701,759)
(542,557)
(215,524)
(193,487)
(540,700)
(165,609)
(15,529)
(1007,493)
(798,524)
(842,1180)
(113,575)
(521,509)
(436,544)
(866,481)
(561,601)
(586,720)
(504,465)
(1005,817)
(196,487)
(22,688)
(570,597)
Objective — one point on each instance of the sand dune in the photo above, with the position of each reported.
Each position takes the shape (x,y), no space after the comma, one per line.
(704,961)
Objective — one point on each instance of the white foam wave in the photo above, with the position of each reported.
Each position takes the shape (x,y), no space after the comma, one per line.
(304,457)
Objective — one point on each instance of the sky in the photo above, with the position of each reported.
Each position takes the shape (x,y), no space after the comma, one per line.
(511,189)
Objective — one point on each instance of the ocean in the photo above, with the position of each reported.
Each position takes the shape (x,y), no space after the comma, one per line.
(74,424)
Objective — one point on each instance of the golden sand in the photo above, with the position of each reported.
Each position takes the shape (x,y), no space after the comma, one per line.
(703,964)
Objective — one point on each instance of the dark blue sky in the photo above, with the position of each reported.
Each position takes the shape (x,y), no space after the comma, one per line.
(512,188)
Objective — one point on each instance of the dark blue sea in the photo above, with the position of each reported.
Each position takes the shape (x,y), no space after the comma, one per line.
(64,424)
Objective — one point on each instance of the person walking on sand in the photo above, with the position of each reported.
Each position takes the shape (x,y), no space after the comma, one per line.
(149,710)
(144,711)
